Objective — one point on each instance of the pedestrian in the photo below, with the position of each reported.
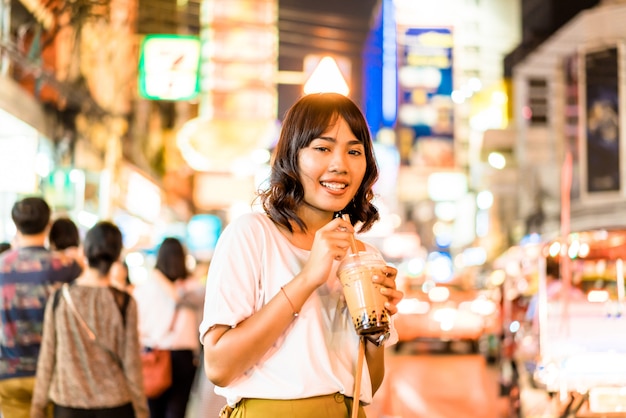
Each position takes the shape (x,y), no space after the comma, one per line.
(29,273)
(64,236)
(4,246)
(278,338)
(169,302)
(89,365)
(120,276)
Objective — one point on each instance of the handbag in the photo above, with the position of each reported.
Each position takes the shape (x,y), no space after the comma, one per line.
(156,365)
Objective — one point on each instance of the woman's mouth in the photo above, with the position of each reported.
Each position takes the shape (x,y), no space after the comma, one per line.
(333,185)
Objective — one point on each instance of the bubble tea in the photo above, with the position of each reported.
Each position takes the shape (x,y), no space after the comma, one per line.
(365,302)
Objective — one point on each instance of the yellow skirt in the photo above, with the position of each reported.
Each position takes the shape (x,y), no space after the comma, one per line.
(327,406)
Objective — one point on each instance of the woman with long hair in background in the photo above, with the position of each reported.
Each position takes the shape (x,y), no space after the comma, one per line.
(170,301)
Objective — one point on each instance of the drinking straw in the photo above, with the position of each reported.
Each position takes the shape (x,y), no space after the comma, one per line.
(357,378)
(359,361)
(353,247)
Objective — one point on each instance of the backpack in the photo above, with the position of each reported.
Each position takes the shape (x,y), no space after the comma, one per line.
(121,299)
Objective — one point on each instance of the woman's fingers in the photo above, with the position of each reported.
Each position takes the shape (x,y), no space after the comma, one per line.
(388,283)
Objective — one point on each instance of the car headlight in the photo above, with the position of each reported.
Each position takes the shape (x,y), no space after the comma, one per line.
(438,294)
(483,306)
(445,314)
(413,306)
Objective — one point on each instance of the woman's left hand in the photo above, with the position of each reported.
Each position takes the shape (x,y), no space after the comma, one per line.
(388,283)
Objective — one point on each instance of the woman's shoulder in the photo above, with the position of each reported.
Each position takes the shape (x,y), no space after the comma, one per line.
(250,224)
(250,218)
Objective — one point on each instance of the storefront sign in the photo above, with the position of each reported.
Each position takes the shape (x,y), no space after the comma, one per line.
(168,67)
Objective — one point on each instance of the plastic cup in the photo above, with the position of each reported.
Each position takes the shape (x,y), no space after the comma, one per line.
(365,302)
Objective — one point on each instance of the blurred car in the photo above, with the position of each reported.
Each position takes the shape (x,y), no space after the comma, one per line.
(448,312)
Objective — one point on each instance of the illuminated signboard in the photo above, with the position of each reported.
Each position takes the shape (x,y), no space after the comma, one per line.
(425,88)
(168,67)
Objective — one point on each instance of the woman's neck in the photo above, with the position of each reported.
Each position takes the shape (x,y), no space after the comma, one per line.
(92,277)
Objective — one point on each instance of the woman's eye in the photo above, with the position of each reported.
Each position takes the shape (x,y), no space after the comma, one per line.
(322,149)
(356,152)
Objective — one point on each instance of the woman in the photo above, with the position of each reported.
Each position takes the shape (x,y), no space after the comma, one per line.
(168,320)
(120,276)
(278,339)
(89,362)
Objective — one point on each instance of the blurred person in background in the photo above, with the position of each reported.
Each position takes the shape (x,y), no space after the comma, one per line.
(169,302)
(64,236)
(89,365)
(29,273)
(4,246)
(120,276)
(278,337)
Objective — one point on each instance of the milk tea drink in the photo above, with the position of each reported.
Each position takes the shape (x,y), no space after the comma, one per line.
(365,302)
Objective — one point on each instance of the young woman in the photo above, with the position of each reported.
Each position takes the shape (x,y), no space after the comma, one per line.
(170,302)
(278,338)
(89,362)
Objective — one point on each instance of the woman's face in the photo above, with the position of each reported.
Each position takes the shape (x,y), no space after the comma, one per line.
(331,168)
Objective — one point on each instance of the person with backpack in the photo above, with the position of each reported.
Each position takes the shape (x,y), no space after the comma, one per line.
(89,364)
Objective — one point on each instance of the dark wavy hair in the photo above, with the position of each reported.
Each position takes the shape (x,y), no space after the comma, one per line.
(103,246)
(306,120)
(63,234)
(171,259)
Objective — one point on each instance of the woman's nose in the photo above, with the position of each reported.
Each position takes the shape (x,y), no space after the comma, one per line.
(338,162)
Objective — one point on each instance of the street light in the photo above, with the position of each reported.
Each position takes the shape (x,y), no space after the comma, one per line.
(326,78)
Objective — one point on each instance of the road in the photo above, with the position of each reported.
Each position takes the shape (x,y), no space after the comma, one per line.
(419,383)
(423,383)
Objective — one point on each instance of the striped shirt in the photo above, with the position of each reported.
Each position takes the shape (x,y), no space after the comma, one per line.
(28,276)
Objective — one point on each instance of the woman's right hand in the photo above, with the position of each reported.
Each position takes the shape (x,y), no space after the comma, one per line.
(331,242)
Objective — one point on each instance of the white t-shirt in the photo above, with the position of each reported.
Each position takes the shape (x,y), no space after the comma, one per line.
(161,324)
(317,354)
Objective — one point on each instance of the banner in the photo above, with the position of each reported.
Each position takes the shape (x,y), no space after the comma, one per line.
(602,140)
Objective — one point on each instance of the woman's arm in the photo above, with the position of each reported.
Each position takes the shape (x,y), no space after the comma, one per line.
(132,361)
(46,361)
(229,352)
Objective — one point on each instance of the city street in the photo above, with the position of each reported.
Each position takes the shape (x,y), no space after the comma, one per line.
(422,382)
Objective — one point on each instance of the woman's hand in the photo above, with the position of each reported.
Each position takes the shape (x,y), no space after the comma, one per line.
(388,283)
(331,242)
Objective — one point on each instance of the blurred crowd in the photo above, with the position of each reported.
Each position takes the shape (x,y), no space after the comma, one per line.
(74,324)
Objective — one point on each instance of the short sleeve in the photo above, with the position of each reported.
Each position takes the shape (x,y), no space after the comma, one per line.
(233,282)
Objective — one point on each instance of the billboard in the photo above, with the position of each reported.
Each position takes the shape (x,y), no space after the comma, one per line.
(425,88)
(601,139)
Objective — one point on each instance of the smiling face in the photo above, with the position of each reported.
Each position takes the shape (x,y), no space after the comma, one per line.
(307,171)
(332,168)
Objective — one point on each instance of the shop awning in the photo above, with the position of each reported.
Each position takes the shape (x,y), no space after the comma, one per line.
(23,106)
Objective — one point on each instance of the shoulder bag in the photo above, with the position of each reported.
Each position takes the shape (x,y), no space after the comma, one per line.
(156,365)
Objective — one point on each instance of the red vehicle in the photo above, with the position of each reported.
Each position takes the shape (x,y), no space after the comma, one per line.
(447,312)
